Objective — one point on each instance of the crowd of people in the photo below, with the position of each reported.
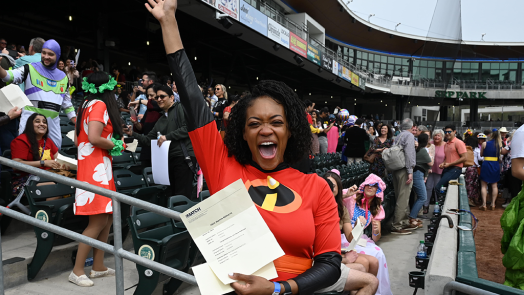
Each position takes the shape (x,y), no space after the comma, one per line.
(254,135)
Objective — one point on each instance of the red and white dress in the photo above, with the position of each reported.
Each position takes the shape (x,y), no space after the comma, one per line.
(94,164)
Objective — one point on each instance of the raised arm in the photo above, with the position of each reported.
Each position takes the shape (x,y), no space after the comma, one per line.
(197,112)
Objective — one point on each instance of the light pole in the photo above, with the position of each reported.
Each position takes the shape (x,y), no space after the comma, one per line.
(369,17)
(397,26)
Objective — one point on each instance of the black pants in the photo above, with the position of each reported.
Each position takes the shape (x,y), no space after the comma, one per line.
(181,177)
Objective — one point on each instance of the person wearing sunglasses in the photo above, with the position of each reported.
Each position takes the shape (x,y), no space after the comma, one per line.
(220,105)
(455,156)
(172,126)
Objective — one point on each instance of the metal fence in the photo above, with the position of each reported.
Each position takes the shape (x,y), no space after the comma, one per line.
(117,249)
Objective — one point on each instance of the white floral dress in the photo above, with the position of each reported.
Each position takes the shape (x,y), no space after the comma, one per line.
(94,164)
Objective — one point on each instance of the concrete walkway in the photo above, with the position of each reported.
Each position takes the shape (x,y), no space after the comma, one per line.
(400,251)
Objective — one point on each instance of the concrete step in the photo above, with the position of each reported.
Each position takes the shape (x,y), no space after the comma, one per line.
(18,247)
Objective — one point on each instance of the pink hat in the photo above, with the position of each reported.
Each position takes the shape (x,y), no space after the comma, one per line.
(373,179)
(335,171)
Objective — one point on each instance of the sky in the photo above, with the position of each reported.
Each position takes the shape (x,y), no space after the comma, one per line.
(501,21)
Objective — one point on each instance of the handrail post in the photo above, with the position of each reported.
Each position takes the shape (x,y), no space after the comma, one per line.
(117,234)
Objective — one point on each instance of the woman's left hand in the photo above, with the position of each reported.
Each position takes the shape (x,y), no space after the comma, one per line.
(251,285)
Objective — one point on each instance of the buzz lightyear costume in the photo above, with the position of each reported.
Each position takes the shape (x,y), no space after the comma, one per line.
(46,88)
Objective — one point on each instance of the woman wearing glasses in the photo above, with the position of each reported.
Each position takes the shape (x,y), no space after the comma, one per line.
(171,126)
(221,104)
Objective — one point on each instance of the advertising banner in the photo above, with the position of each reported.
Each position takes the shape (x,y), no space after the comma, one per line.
(362,84)
(297,44)
(327,63)
(354,79)
(340,67)
(335,67)
(314,55)
(277,33)
(229,7)
(253,18)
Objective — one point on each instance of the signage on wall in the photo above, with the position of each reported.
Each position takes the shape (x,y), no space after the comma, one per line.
(313,54)
(277,33)
(327,63)
(361,83)
(229,7)
(297,44)
(335,67)
(354,79)
(461,94)
(253,18)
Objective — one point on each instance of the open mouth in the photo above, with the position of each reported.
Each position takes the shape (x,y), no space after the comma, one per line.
(268,150)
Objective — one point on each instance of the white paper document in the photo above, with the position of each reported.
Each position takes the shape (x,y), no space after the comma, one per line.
(159,161)
(231,234)
(12,96)
(357,232)
(71,163)
(209,284)
(132,146)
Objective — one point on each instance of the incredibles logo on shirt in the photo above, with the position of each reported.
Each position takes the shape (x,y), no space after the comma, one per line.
(271,195)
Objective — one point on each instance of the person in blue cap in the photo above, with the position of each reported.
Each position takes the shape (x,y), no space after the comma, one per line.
(47,89)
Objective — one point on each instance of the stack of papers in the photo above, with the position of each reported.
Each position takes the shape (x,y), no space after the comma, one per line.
(233,238)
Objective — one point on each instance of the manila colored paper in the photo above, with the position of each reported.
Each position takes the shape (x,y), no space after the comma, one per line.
(12,96)
(159,161)
(209,284)
(231,234)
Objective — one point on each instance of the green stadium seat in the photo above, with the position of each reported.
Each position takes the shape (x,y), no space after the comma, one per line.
(58,212)
(156,238)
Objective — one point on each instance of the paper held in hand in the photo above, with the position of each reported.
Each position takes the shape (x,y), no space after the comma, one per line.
(231,234)
(12,96)
(70,163)
(357,232)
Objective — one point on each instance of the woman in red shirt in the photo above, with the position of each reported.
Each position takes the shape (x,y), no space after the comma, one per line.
(266,132)
(33,148)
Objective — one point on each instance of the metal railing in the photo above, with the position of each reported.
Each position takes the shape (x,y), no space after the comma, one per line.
(117,249)
(452,286)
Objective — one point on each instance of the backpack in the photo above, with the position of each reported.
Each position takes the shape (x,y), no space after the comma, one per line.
(394,157)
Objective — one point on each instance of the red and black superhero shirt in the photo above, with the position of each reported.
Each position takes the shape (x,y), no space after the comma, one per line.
(298,208)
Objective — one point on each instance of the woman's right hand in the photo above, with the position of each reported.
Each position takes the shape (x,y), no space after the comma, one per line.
(52,164)
(161,9)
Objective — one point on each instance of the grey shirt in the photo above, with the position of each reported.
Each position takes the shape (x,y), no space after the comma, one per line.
(407,141)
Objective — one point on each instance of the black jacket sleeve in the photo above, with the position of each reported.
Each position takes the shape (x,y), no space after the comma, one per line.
(195,107)
(324,273)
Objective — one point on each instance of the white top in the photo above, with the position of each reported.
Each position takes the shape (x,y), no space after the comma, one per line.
(478,158)
(517,143)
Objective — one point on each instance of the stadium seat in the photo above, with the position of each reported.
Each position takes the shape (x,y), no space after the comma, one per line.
(156,238)
(127,182)
(203,195)
(58,212)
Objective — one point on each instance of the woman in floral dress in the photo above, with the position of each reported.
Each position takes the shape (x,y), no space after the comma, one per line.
(98,130)
(381,142)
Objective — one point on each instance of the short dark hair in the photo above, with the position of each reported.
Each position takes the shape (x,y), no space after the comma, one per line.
(450,126)
(155,86)
(165,88)
(324,110)
(308,103)
(298,144)
(151,76)
(359,121)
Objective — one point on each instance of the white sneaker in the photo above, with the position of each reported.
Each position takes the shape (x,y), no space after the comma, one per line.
(109,272)
(82,281)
